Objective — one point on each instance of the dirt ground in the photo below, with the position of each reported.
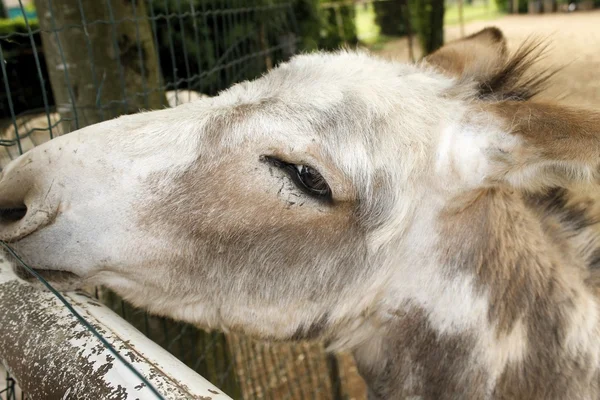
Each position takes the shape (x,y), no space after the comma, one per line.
(574,42)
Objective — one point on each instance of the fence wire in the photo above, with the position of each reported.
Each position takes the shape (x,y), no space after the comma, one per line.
(9,390)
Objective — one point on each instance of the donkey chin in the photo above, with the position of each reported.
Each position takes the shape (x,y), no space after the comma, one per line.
(60,280)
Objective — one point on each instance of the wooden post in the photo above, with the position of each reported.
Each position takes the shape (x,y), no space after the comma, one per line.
(549,6)
(461,19)
(105,69)
(436,24)
(339,21)
(515,6)
(534,6)
(264,46)
(409,31)
(53,356)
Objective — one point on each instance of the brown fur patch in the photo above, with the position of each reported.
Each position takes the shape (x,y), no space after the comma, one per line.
(534,254)
(496,239)
(552,132)
(483,58)
(312,331)
(573,216)
(528,277)
(419,361)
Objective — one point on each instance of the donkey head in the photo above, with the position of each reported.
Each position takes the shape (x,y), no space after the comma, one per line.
(301,204)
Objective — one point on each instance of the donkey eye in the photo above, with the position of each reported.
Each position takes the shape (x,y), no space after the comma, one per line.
(307,178)
(312,180)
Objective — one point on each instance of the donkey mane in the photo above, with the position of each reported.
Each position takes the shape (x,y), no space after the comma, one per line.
(574,212)
(575,209)
(515,79)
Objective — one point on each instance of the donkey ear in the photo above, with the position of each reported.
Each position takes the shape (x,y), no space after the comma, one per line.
(539,144)
(474,57)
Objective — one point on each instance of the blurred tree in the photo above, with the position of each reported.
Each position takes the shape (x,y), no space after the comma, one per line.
(509,5)
(429,23)
(389,15)
(99,70)
(310,21)
(338,24)
(200,46)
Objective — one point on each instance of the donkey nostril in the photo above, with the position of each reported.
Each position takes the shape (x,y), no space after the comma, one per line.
(12,214)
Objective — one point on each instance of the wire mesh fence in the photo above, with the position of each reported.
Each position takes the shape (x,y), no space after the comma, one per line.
(9,390)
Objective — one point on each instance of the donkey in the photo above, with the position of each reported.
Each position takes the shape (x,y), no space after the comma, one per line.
(426,217)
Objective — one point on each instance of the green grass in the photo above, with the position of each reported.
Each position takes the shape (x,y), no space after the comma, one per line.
(475,12)
(8,26)
(366,28)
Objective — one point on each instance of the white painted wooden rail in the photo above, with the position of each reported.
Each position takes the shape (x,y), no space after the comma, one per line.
(53,356)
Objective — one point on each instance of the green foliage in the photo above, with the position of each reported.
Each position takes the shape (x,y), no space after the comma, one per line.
(16,25)
(389,15)
(22,74)
(207,47)
(202,50)
(310,20)
(337,25)
(318,25)
(506,6)
(477,11)
(426,19)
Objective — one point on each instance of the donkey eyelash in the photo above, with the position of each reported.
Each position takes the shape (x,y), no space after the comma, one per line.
(306,178)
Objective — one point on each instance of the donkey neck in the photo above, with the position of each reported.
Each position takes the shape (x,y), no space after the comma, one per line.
(511,303)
